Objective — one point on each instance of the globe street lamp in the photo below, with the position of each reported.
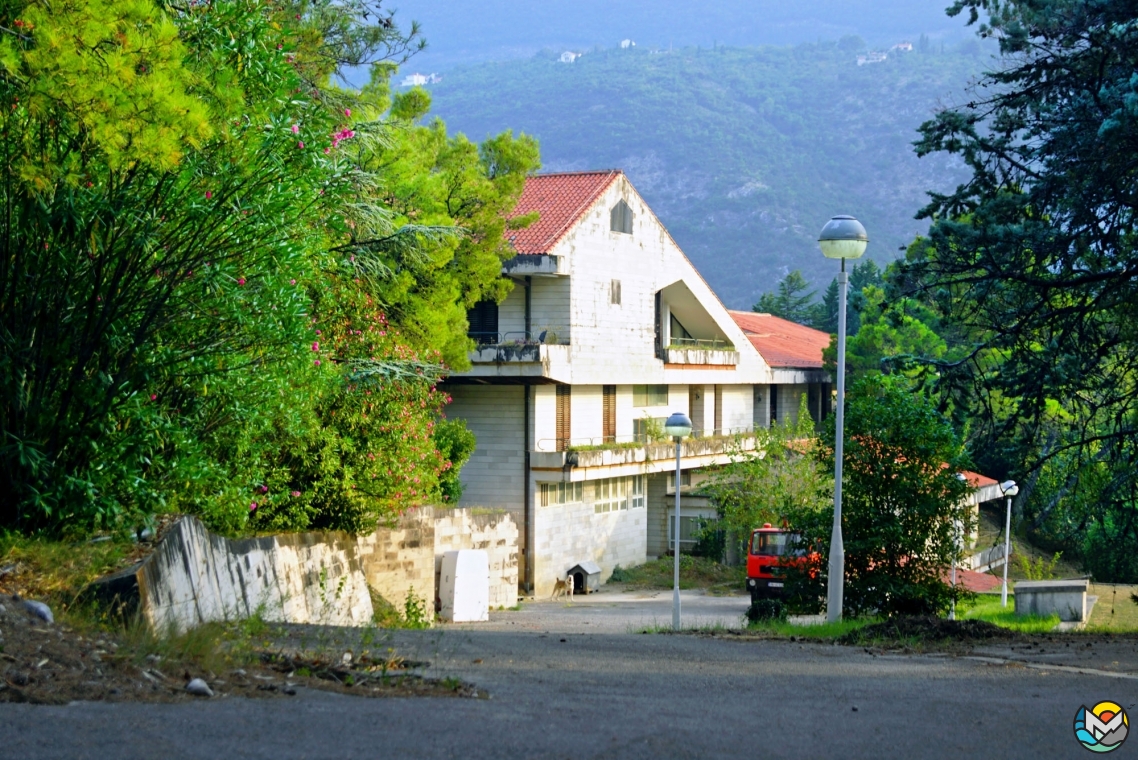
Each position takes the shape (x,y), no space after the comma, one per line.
(679,427)
(843,238)
(1009,489)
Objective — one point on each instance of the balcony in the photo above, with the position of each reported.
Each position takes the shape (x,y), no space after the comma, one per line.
(514,347)
(534,265)
(627,456)
(700,351)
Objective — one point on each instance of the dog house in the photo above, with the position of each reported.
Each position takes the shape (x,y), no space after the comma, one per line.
(586,577)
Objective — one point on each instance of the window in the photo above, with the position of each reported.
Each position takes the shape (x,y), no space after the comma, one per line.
(483,322)
(610,495)
(620,218)
(560,493)
(648,429)
(608,393)
(614,292)
(679,333)
(689,530)
(616,494)
(719,410)
(774,404)
(564,418)
(638,493)
(649,395)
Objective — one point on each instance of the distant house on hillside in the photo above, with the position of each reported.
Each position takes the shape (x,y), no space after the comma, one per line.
(873,56)
(903,47)
(626,44)
(417,80)
(569,56)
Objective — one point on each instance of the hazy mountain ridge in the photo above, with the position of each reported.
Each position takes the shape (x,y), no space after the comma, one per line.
(743,152)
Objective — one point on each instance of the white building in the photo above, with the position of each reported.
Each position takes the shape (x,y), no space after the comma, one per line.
(418,80)
(569,56)
(608,330)
(626,44)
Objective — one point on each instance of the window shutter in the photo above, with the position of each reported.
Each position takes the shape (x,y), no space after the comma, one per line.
(564,419)
(609,432)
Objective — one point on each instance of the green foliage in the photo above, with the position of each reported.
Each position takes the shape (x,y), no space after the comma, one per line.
(1031,261)
(789,301)
(779,481)
(744,153)
(227,286)
(1038,569)
(902,502)
(455,445)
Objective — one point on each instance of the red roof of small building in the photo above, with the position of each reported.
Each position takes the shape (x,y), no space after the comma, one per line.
(783,343)
(976,480)
(560,200)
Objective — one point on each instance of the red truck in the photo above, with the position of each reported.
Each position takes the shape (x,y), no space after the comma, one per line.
(771,551)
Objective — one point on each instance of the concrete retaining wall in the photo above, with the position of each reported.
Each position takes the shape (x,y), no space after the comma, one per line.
(1067,599)
(195,577)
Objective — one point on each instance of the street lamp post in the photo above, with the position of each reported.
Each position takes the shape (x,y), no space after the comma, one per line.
(679,427)
(842,238)
(1010,489)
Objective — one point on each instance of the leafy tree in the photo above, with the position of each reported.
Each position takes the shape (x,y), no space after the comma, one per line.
(789,301)
(209,301)
(1034,258)
(902,505)
(780,480)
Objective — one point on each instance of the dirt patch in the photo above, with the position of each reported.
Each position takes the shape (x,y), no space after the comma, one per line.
(44,663)
(926,628)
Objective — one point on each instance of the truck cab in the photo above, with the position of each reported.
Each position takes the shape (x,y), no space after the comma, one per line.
(770,551)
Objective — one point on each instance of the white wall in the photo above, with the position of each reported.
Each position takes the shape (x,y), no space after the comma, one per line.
(587,415)
(568,534)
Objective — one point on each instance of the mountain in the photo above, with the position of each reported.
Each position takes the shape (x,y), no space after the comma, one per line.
(470,31)
(744,153)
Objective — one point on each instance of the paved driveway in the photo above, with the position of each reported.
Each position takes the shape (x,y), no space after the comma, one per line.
(613,695)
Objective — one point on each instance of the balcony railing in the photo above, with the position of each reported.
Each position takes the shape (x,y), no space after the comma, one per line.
(709,344)
(546,337)
(613,442)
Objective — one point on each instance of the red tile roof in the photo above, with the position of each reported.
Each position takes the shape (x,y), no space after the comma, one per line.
(560,200)
(783,343)
(976,480)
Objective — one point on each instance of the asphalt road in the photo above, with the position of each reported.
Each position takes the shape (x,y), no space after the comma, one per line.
(617,695)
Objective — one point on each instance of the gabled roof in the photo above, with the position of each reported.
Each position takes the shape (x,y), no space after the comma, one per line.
(560,200)
(783,343)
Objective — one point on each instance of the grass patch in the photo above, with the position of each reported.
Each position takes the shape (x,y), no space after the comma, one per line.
(987,607)
(695,572)
(1115,611)
(813,631)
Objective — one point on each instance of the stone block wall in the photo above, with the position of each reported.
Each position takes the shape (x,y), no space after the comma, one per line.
(571,533)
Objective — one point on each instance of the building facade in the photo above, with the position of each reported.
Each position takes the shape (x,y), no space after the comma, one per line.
(608,330)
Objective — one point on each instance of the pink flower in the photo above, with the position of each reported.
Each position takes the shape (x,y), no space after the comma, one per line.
(316,346)
(317,362)
(240,280)
(326,152)
(253,506)
(295,494)
(292,282)
(153,396)
(264,489)
(317,332)
(347,112)
(295,129)
(300,144)
(208,195)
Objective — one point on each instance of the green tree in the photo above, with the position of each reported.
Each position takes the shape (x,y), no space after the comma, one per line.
(789,301)
(780,480)
(902,506)
(1034,258)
